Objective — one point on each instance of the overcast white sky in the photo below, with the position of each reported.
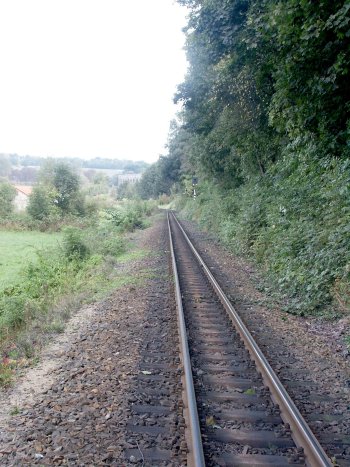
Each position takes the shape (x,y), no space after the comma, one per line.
(89,78)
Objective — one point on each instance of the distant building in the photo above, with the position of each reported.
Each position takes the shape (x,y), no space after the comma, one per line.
(22,197)
(129,178)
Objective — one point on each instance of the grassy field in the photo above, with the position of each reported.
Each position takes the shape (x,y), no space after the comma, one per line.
(17,249)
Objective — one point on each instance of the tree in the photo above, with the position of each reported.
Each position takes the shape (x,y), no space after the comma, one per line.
(311,65)
(160,177)
(227,92)
(7,196)
(66,183)
(57,193)
(265,124)
(42,204)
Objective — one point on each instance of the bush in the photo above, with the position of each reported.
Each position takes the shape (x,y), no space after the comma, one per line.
(52,276)
(42,206)
(74,245)
(126,219)
(41,281)
(105,240)
(113,246)
(12,312)
(129,215)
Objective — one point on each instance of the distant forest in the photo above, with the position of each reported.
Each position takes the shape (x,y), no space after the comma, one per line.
(95,163)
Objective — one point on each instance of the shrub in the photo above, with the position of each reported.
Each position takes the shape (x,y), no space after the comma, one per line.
(129,215)
(74,245)
(11,312)
(50,276)
(105,240)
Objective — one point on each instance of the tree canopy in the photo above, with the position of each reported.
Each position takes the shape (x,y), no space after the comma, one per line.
(265,127)
(57,193)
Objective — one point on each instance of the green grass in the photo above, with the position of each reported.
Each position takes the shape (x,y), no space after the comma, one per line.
(132,255)
(15,410)
(17,249)
(347,341)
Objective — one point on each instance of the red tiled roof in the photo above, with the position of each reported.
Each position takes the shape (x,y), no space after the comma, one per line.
(24,189)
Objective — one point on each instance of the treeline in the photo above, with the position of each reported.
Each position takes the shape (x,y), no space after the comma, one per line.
(265,127)
(61,195)
(95,163)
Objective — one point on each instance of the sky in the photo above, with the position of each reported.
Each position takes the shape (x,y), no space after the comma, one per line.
(89,78)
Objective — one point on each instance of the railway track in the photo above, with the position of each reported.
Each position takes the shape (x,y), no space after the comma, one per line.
(242,411)
(155,429)
(237,412)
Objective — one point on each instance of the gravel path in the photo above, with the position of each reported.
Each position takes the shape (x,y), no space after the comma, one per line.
(74,407)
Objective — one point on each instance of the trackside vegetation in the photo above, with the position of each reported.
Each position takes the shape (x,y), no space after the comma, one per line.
(81,268)
(265,129)
(73,259)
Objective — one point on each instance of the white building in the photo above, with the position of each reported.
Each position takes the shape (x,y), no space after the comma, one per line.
(129,178)
(22,197)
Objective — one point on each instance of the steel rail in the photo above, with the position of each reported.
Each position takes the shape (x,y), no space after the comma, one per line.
(196,448)
(301,433)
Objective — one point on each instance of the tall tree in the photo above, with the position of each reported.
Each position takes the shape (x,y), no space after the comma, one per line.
(66,183)
(58,191)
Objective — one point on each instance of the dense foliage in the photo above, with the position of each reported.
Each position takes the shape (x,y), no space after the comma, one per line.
(57,194)
(7,196)
(265,127)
